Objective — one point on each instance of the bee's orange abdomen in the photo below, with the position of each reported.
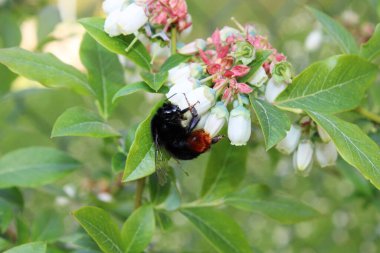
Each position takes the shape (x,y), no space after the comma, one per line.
(199,141)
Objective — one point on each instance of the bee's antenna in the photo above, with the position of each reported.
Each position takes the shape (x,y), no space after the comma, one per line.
(171,96)
(190,106)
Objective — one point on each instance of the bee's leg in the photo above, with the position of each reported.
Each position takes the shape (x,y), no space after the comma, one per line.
(217,139)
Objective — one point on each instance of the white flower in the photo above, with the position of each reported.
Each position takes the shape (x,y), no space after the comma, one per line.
(326,154)
(325,137)
(110,6)
(203,98)
(227,32)
(132,18)
(196,70)
(273,90)
(239,126)
(290,142)
(216,119)
(179,72)
(193,47)
(201,124)
(303,157)
(314,40)
(183,86)
(111,25)
(259,78)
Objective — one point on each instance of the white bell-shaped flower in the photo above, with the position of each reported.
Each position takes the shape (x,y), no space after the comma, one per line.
(325,137)
(202,98)
(132,18)
(202,122)
(239,126)
(216,120)
(111,25)
(326,154)
(110,6)
(273,90)
(303,157)
(183,86)
(314,40)
(259,78)
(193,47)
(290,142)
(179,72)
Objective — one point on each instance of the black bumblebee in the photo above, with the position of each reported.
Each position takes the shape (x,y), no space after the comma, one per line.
(181,142)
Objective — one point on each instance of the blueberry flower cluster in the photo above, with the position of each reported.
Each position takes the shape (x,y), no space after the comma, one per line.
(158,17)
(224,63)
(308,142)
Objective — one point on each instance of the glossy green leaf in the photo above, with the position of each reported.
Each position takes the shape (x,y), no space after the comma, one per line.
(344,39)
(118,162)
(174,61)
(223,233)
(44,68)
(48,226)
(138,230)
(330,86)
(225,170)
(353,145)
(105,73)
(135,87)
(34,166)
(137,53)
(6,215)
(158,193)
(371,49)
(261,57)
(141,157)
(274,122)
(78,121)
(258,199)
(33,247)
(14,196)
(101,227)
(155,80)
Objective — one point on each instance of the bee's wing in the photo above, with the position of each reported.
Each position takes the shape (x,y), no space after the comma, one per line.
(161,160)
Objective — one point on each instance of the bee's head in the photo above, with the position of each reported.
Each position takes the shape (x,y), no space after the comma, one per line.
(170,111)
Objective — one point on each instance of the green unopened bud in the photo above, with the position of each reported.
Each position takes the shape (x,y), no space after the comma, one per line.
(245,52)
(283,72)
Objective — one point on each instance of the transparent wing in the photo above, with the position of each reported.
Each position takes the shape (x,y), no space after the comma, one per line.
(161,160)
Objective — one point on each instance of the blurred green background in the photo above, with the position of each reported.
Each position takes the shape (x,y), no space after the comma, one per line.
(350,206)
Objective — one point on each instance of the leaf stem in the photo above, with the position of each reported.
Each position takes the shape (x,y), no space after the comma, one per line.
(369,115)
(140,183)
(173,45)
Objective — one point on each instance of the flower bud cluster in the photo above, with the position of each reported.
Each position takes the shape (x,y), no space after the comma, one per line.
(128,17)
(308,142)
(226,61)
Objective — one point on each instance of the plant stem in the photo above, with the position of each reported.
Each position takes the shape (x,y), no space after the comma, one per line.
(140,183)
(173,45)
(369,115)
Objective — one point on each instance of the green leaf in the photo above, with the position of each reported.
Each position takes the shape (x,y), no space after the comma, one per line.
(141,157)
(10,34)
(47,226)
(44,68)
(35,166)
(258,199)
(78,121)
(33,247)
(6,215)
(353,145)
(101,227)
(219,229)
(138,230)
(105,72)
(330,86)
(344,39)
(134,87)
(118,162)
(371,49)
(225,170)
(261,57)
(47,19)
(158,193)
(274,122)
(137,53)
(174,61)
(155,80)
